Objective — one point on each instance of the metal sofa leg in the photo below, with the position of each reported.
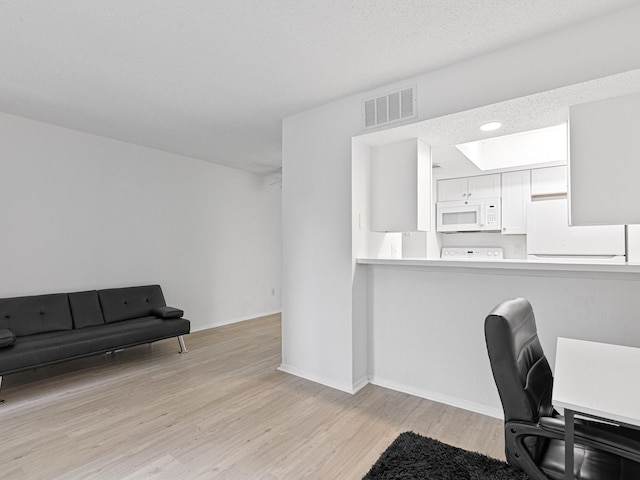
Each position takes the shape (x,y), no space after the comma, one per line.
(183,348)
(1,401)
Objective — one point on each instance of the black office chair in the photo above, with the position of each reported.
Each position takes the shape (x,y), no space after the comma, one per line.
(534,431)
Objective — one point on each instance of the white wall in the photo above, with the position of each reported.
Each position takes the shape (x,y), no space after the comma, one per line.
(318,303)
(316,203)
(78,211)
(426,324)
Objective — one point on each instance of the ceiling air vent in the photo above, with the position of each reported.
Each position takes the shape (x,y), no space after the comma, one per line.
(390,108)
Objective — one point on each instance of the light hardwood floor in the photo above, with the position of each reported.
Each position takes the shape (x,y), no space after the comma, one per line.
(222,411)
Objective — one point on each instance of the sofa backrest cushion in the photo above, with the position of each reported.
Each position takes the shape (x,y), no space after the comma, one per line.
(85,309)
(130,302)
(36,314)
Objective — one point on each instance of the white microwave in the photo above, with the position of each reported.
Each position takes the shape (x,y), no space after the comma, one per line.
(478,215)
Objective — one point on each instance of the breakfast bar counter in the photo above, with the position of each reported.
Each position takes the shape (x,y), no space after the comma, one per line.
(511,266)
(425,318)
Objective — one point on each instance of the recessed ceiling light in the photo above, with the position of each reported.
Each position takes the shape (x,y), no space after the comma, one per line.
(488,127)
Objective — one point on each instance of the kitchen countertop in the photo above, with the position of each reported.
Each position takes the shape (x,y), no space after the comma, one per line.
(507,266)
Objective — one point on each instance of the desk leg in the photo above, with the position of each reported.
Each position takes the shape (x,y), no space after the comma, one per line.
(568,444)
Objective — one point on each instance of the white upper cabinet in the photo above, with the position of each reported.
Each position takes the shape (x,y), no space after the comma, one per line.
(482,186)
(549,181)
(401,187)
(516,193)
(604,149)
(453,189)
(485,186)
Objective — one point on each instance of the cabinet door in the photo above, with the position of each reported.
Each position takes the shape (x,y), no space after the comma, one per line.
(452,189)
(516,193)
(484,186)
(549,181)
(603,164)
(401,187)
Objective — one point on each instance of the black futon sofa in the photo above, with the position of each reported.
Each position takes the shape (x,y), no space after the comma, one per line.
(44,329)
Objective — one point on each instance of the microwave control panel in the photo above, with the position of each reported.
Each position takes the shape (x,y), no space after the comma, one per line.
(492,216)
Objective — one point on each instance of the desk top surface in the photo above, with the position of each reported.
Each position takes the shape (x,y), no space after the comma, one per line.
(598,379)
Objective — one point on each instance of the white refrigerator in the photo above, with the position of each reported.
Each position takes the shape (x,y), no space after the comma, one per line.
(550,238)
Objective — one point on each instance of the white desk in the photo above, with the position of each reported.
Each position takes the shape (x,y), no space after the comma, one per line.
(596,379)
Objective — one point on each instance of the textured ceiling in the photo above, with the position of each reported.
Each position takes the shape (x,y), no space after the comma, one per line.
(213,79)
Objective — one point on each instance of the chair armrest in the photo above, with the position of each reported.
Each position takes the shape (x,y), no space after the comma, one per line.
(167,312)
(517,430)
(558,422)
(515,435)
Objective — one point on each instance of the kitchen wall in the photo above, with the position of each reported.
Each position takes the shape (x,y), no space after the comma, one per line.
(322,301)
(79,211)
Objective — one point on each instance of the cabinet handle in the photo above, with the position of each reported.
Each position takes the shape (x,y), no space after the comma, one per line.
(464,194)
(469,194)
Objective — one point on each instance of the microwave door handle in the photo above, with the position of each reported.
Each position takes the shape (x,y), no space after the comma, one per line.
(481,214)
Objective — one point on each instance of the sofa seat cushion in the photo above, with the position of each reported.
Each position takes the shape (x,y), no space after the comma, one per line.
(120,304)
(36,314)
(56,346)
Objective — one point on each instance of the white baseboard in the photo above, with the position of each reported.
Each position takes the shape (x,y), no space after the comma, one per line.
(418,392)
(318,379)
(232,320)
(360,384)
(439,397)
(363,382)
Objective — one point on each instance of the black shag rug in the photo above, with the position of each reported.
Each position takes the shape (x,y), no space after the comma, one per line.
(414,457)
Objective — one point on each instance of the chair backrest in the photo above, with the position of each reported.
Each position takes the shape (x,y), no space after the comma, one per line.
(520,369)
